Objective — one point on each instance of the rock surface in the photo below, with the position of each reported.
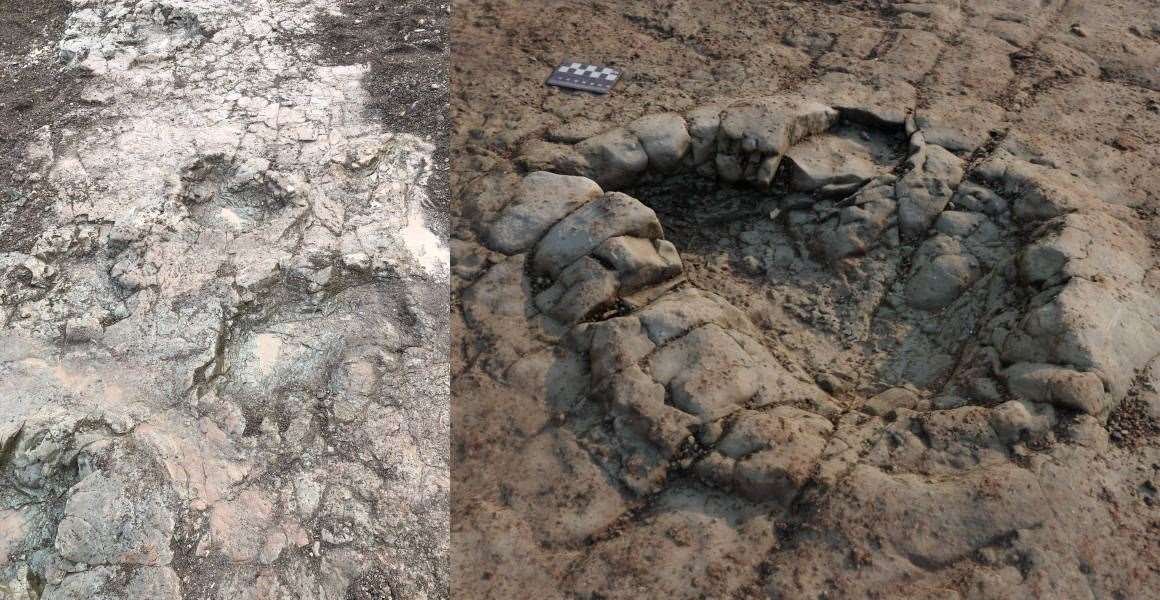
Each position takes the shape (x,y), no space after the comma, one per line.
(224,352)
(909,341)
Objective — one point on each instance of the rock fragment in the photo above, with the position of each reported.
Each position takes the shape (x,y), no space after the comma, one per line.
(941,280)
(826,160)
(768,455)
(614,158)
(1059,386)
(582,231)
(665,139)
(934,174)
(754,136)
(542,199)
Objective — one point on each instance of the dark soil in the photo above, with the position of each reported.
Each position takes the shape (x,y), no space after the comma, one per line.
(406,45)
(35,90)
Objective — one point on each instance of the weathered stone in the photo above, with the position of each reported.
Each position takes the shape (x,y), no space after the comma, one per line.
(1091,246)
(1039,193)
(754,136)
(614,157)
(582,231)
(1012,268)
(110,520)
(980,67)
(1060,386)
(859,227)
(576,130)
(958,224)
(640,405)
(1016,421)
(940,282)
(692,368)
(579,290)
(684,310)
(927,188)
(258,177)
(774,454)
(826,160)
(640,262)
(84,329)
(617,344)
(959,124)
(811,40)
(976,198)
(555,462)
(665,139)
(703,124)
(541,200)
(910,56)
(1084,326)
(540,155)
(768,455)
(894,398)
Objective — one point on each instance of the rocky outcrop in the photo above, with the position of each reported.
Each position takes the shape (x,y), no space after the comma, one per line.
(908,359)
(224,354)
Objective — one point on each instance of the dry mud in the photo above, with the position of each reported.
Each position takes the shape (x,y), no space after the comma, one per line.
(223,365)
(825,300)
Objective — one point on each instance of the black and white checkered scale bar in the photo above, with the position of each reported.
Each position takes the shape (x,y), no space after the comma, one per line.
(584,76)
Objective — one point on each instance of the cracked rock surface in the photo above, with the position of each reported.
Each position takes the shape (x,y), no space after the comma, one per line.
(825,300)
(224,355)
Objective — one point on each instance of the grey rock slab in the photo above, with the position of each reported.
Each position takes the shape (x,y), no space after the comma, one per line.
(703,124)
(542,155)
(614,158)
(576,130)
(111,520)
(827,160)
(921,523)
(772,125)
(640,262)
(979,67)
(1015,420)
(1038,192)
(665,138)
(501,294)
(959,123)
(941,281)
(580,290)
(976,198)
(611,215)
(1059,386)
(614,345)
(639,403)
(768,455)
(910,56)
(927,187)
(860,226)
(1089,245)
(541,200)
(958,223)
(1097,327)
(564,496)
(683,310)
(887,401)
(754,135)
(708,373)
(83,329)
(960,520)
